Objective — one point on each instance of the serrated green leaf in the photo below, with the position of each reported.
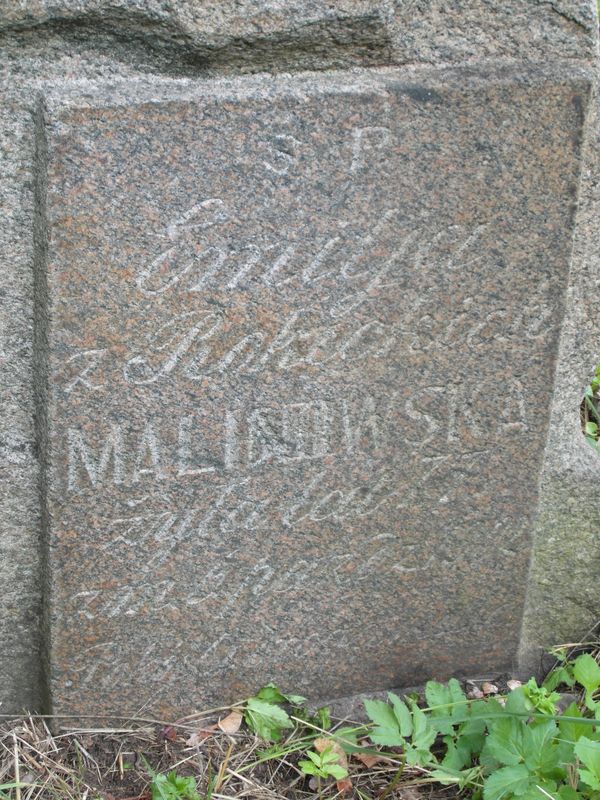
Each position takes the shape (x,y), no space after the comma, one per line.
(412,755)
(386,731)
(458,699)
(439,700)
(387,737)
(381,714)
(447,703)
(266,719)
(589,779)
(567,792)
(309,768)
(488,709)
(469,741)
(588,752)
(587,672)
(173,787)
(506,782)
(453,759)
(517,701)
(473,729)
(337,771)
(540,790)
(402,714)
(296,699)
(560,675)
(538,751)
(423,735)
(505,741)
(271,694)
(569,729)
(456,691)
(323,764)
(437,694)
(563,757)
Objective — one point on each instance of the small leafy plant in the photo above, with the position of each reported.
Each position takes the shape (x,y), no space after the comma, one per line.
(502,748)
(540,698)
(266,713)
(491,747)
(323,765)
(590,410)
(173,787)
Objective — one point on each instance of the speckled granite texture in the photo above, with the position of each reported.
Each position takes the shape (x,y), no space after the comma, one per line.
(279,400)
(234,34)
(563,594)
(290,358)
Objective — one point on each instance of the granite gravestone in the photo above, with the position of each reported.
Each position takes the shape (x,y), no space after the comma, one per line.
(295,329)
(291,362)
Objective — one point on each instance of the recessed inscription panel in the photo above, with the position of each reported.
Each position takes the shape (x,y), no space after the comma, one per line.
(295,339)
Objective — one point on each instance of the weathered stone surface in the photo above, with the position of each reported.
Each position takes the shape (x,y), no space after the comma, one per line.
(107,47)
(192,36)
(295,325)
(563,601)
(20,599)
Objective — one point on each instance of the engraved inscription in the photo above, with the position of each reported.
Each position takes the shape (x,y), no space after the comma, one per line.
(366,141)
(184,258)
(242,440)
(293,330)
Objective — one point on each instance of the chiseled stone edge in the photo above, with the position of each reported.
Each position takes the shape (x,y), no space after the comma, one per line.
(141,90)
(20,599)
(563,600)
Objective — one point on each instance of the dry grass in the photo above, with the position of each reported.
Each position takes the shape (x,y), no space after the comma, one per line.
(113,763)
(52,760)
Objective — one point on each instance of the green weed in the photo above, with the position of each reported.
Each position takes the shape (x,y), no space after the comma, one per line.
(501,748)
(518,746)
(323,765)
(173,787)
(266,715)
(495,748)
(590,411)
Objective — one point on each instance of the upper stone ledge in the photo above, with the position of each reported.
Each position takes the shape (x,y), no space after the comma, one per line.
(196,35)
(418,81)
